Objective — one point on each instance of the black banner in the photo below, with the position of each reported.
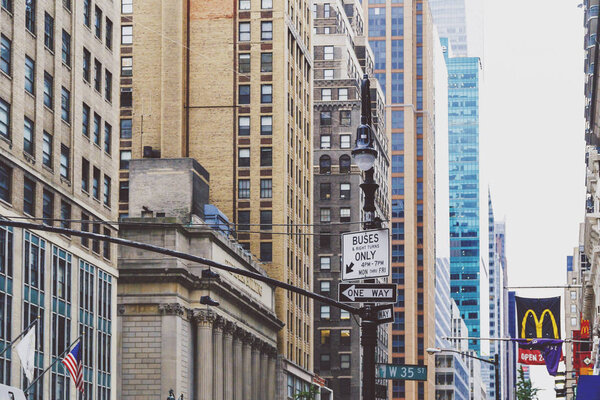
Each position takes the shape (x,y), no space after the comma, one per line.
(538,318)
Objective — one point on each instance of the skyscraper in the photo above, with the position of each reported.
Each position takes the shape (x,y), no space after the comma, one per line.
(228,83)
(401,36)
(58,109)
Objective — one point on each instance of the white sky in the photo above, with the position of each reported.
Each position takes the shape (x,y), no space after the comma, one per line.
(532,147)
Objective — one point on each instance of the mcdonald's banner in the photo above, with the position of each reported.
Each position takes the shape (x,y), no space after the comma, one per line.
(585,329)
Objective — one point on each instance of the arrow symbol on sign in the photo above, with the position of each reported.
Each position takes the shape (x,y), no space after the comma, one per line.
(349,268)
(349,293)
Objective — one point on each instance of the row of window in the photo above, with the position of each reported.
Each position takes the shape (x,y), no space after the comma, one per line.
(345,118)
(325,191)
(87,19)
(93,186)
(325,214)
(266,94)
(266,220)
(245,65)
(325,362)
(326,94)
(245,4)
(266,31)
(345,141)
(266,188)
(325,164)
(266,125)
(266,157)
(96,128)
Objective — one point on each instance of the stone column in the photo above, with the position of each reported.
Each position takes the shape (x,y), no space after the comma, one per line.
(271,374)
(218,358)
(204,356)
(228,364)
(238,366)
(246,356)
(256,345)
(171,339)
(264,356)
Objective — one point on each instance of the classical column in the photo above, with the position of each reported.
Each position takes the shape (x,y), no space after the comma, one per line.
(218,358)
(172,315)
(263,369)
(272,376)
(204,358)
(256,345)
(246,355)
(238,377)
(228,365)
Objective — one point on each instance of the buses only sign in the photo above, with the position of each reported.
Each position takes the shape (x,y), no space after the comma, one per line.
(365,254)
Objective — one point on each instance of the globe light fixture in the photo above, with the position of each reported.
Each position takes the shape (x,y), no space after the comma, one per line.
(364,153)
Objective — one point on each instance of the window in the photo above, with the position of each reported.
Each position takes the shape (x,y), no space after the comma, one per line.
(343,94)
(325,191)
(244,32)
(30,15)
(5,54)
(127,34)
(266,94)
(64,161)
(97,75)
(126,66)
(325,286)
(7,4)
(266,156)
(328,53)
(48,91)
(124,191)
(345,117)
(96,243)
(49,31)
(28,136)
(573,321)
(266,125)
(85,227)
(126,6)
(325,359)
(48,207)
(65,214)
(325,312)
(85,175)
(325,263)
(573,308)
(106,245)
(107,137)
(125,129)
(344,191)
(96,130)
(244,126)
(244,5)
(327,74)
(326,10)
(109,33)
(126,97)
(87,13)
(4,118)
(266,251)
(345,141)
(243,220)
(244,94)
(344,361)
(107,85)
(29,196)
(96,183)
(244,157)
(325,164)
(65,105)
(47,150)
(244,62)
(325,141)
(98,23)
(266,30)
(266,4)
(344,314)
(344,214)
(66,48)
(87,59)
(266,220)
(244,189)
(325,118)
(344,164)
(5,182)
(573,295)
(266,62)
(85,120)
(124,159)
(106,191)
(325,215)
(345,337)
(266,188)
(325,94)
(29,75)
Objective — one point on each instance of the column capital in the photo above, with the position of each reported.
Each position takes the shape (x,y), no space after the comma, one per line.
(257,344)
(203,317)
(171,309)
(247,338)
(270,350)
(229,328)
(219,323)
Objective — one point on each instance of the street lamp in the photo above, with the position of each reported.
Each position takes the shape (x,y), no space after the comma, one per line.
(495,363)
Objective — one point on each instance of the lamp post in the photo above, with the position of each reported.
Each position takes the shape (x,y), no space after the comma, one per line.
(495,363)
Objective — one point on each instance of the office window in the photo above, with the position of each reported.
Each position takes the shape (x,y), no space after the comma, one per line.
(85,227)
(5,182)
(244,189)
(28,136)
(343,94)
(397,119)
(573,295)
(127,34)
(327,74)
(344,314)
(244,32)
(126,6)
(107,85)
(8,5)
(244,5)
(266,30)
(266,94)
(65,154)
(4,119)
(266,4)
(98,23)
(96,129)
(85,120)
(325,286)
(325,312)
(344,191)
(325,118)
(325,336)
(48,91)
(29,196)
(325,215)
(65,214)
(344,164)
(325,359)
(345,117)
(243,222)
(124,191)
(573,308)
(66,48)
(49,31)
(29,75)
(324,191)
(244,126)
(376,21)
(107,137)
(573,321)
(244,62)
(266,220)
(108,36)
(266,125)
(325,141)
(345,141)
(324,164)
(95,242)
(65,105)
(48,207)
(5,54)
(124,159)
(325,94)
(106,245)
(97,75)
(344,361)
(87,60)
(244,157)
(398,54)
(47,150)
(266,62)
(30,15)
(266,251)
(266,156)
(106,191)
(244,94)
(85,175)
(328,53)
(345,337)
(344,214)
(87,13)
(126,97)
(397,21)
(96,183)
(266,188)
(397,87)
(125,129)
(126,66)
(325,263)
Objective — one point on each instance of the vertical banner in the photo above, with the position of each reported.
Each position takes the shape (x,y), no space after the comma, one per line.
(536,319)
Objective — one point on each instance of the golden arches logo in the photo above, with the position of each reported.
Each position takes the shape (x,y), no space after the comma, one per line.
(538,323)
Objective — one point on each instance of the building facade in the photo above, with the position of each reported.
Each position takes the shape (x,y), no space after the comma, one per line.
(250,126)
(341,58)
(401,37)
(58,166)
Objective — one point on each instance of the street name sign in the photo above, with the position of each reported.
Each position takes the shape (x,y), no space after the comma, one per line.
(385,315)
(365,254)
(402,372)
(367,293)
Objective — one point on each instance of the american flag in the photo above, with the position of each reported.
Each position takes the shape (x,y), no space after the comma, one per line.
(73,363)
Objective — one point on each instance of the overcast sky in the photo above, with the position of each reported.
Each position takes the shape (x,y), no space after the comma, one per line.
(532,146)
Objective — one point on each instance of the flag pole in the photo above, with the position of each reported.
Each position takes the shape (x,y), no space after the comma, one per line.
(51,365)
(9,345)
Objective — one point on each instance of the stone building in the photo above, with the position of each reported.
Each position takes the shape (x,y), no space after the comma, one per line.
(58,104)
(341,59)
(169,338)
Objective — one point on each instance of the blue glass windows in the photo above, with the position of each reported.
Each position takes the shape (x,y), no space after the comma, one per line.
(397,54)
(376,21)
(397,21)
(378,47)
(397,87)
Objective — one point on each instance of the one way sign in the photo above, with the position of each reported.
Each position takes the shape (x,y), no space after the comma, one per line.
(367,293)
